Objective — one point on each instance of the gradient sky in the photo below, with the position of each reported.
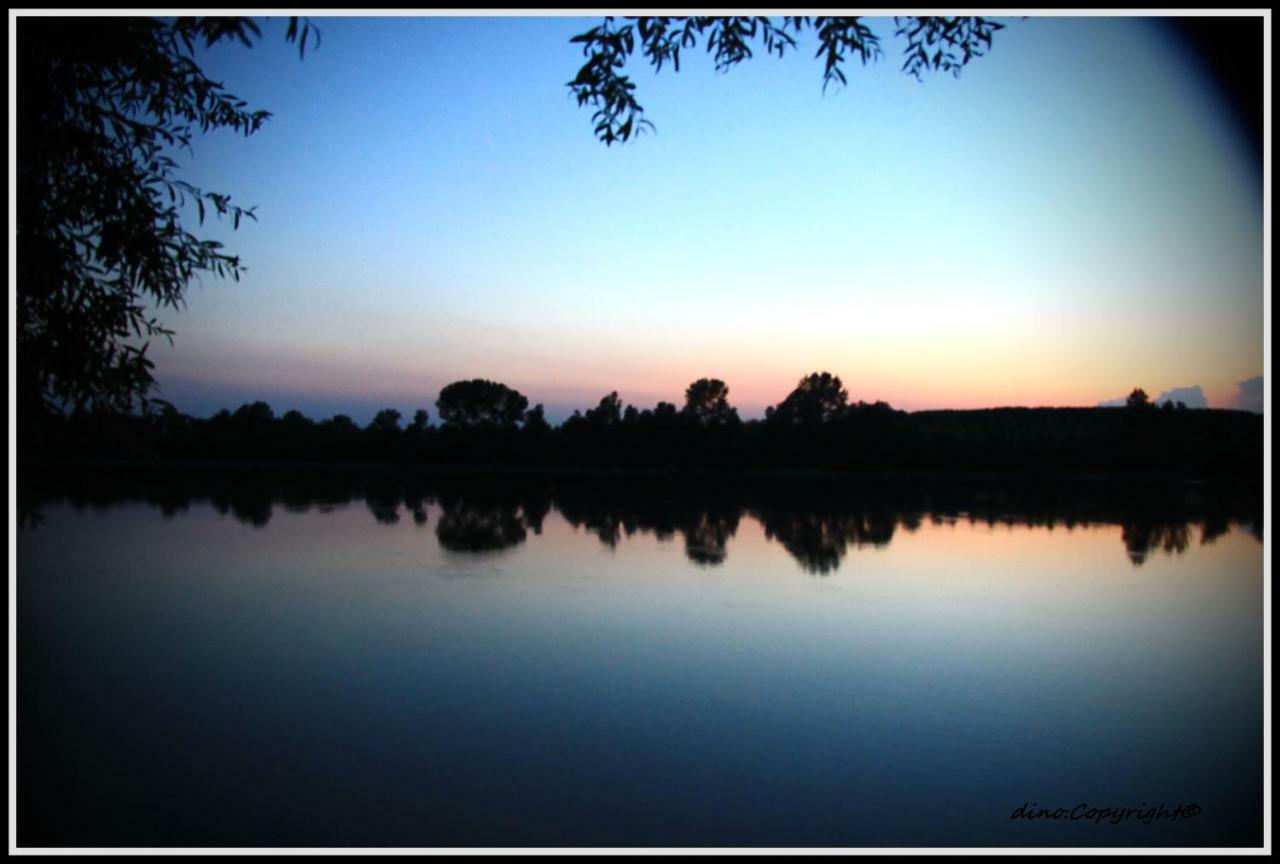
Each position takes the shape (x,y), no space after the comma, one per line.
(1075,215)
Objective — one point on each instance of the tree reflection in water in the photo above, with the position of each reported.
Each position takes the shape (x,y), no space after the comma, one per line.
(817,523)
(820,541)
(706,537)
(1140,539)
(479,526)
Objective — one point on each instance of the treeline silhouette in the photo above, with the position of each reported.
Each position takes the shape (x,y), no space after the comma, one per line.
(817,518)
(816,426)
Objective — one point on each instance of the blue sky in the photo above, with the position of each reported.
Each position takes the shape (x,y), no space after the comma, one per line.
(1074,216)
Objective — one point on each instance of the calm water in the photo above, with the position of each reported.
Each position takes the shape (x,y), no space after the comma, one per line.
(379,666)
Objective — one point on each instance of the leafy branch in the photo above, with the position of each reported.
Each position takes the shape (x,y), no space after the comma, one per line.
(945,44)
(102,105)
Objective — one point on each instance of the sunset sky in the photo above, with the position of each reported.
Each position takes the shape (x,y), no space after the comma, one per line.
(1077,214)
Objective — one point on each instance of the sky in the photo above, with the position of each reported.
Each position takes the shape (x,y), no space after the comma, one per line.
(1077,214)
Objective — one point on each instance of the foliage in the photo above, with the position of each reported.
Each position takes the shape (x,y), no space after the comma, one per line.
(386,420)
(103,107)
(861,436)
(479,403)
(1138,399)
(535,421)
(932,44)
(255,414)
(706,402)
(818,398)
(608,412)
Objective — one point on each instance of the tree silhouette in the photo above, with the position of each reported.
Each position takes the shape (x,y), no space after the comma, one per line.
(608,412)
(1138,399)
(706,401)
(385,422)
(932,44)
(535,421)
(102,103)
(383,434)
(664,413)
(818,398)
(339,433)
(479,404)
(814,427)
(257,414)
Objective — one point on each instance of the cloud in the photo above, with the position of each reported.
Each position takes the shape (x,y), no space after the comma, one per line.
(1249,396)
(1192,396)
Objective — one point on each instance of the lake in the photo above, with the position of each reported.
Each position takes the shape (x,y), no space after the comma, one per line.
(322,660)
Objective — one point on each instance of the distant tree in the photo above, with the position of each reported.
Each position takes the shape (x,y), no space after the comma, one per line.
(608,412)
(480,404)
(385,421)
(1138,399)
(297,434)
(932,44)
(295,423)
(535,421)
(818,398)
(415,440)
(102,105)
(341,424)
(877,407)
(257,413)
(665,413)
(251,429)
(167,424)
(383,436)
(706,402)
(339,435)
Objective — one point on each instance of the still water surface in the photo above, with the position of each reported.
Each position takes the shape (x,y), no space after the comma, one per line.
(428,669)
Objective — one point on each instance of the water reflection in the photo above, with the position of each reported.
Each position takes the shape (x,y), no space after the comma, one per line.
(705,526)
(1141,539)
(383,500)
(820,540)
(818,523)
(706,536)
(315,644)
(479,525)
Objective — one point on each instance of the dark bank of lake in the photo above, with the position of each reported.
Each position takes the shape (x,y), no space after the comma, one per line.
(380,658)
